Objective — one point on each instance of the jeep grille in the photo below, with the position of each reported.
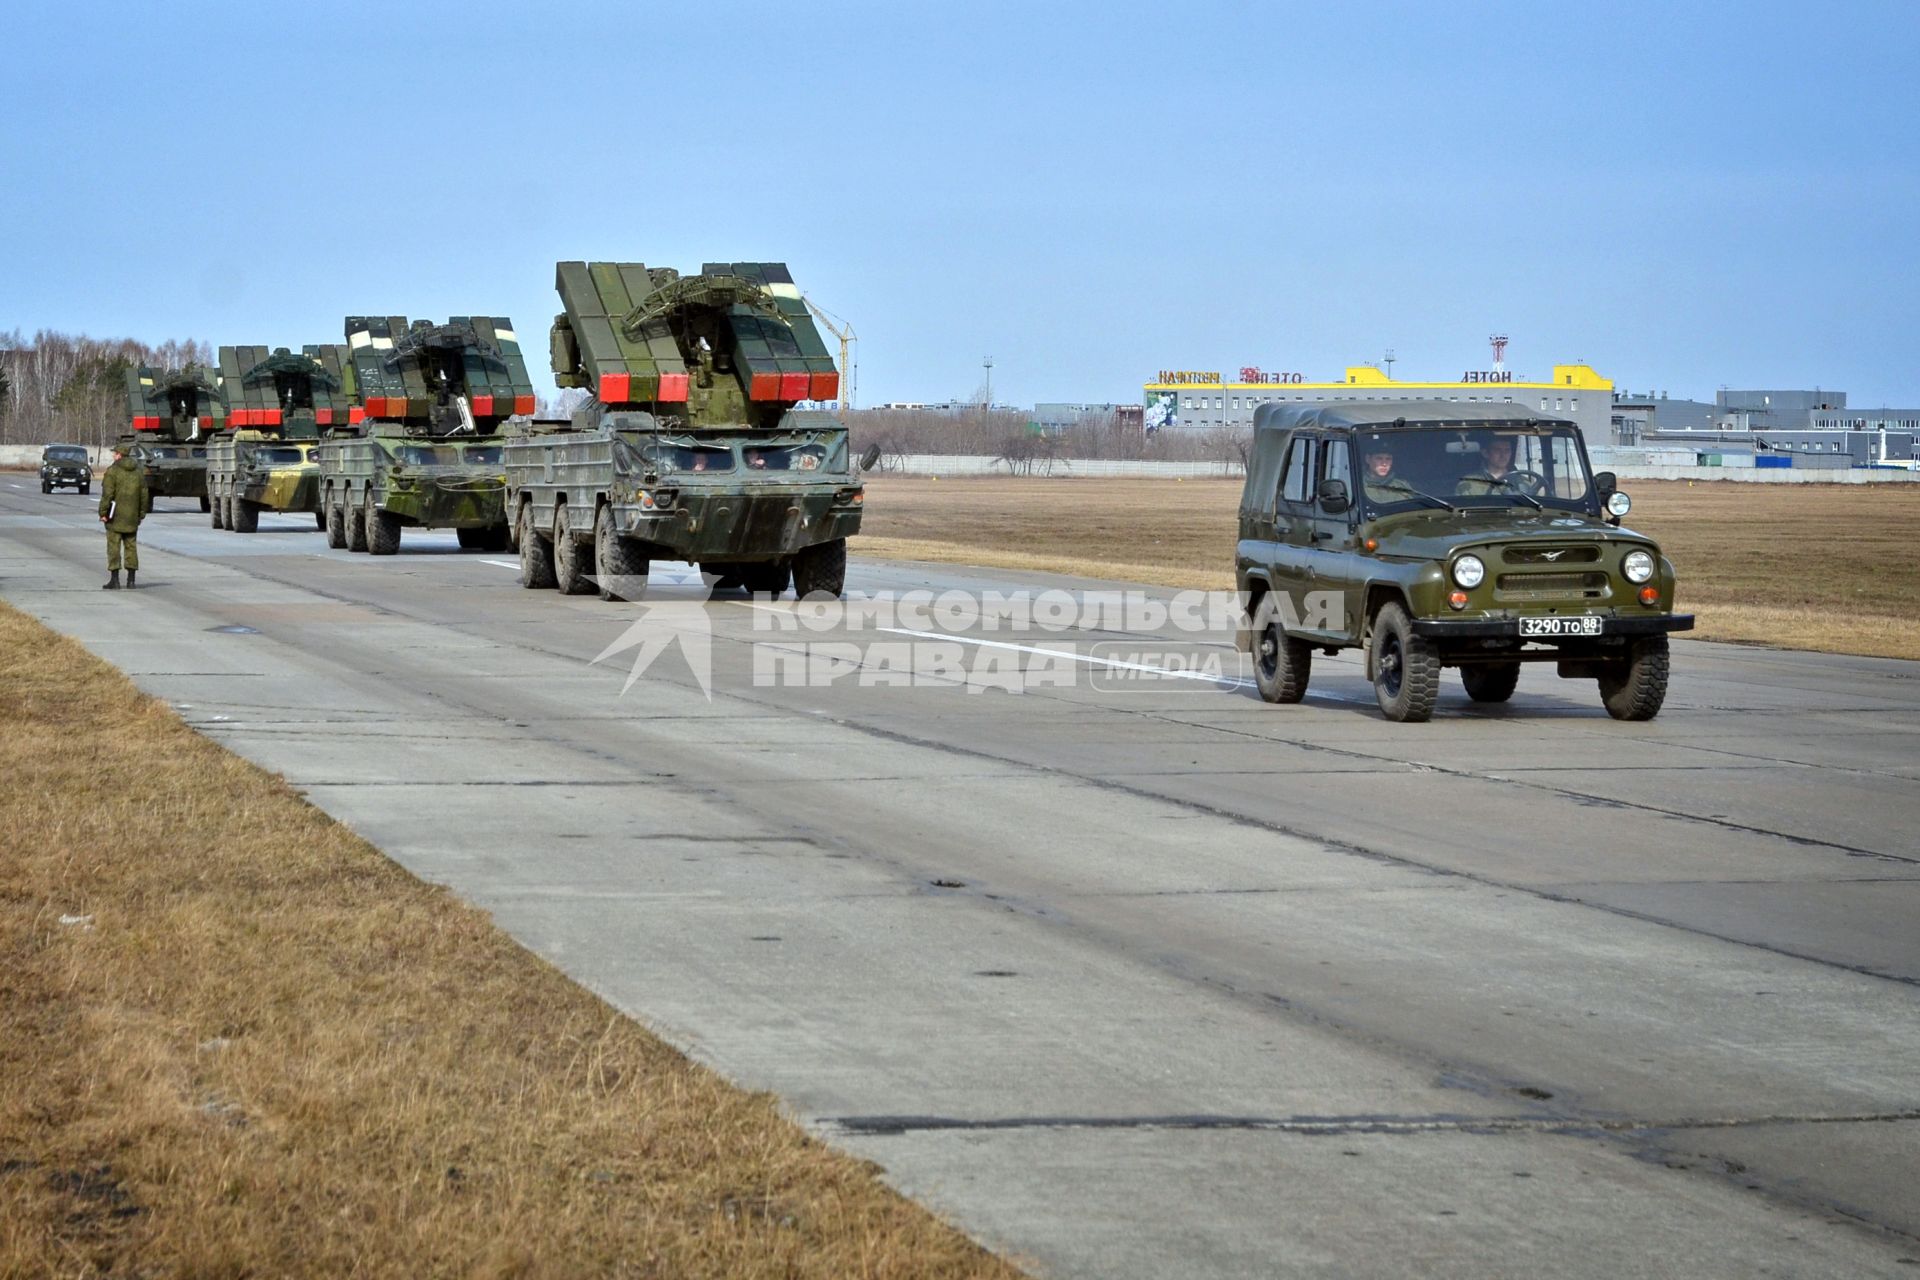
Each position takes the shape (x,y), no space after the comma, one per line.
(1551,555)
(1552,586)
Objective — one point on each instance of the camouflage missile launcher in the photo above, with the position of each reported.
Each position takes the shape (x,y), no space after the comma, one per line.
(278,403)
(693,448)
(170,414)
(427,454)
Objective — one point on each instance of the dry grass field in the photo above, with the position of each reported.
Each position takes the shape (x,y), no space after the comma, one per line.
(1826,567)
(235,1041)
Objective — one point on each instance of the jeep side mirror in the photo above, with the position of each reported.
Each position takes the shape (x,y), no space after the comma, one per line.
(1604,483)
(1333,497)
(871,458)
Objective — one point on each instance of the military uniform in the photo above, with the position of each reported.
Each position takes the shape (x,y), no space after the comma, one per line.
(1391,489)
(1483,484)
(124,502)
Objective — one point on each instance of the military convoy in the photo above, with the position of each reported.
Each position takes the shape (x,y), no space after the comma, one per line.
(424,452)
(693,447)
(171,413)
(1432,534)
(1426,534)
(277,403)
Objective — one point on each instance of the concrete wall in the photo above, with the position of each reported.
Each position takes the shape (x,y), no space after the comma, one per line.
(28,455)
(1768,475)
(980,464)
(1632,464)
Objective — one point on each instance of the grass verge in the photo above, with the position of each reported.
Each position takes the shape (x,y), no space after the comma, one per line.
(237,1040)
(1797,566)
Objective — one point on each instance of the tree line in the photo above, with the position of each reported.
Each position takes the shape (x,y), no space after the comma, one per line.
(71,388)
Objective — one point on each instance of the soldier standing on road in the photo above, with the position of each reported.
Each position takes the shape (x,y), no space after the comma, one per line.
(124,502)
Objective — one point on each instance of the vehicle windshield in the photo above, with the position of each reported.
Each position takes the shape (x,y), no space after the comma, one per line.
(1495,465)
(801,457)
(485,455)
(281,456)
(162,451)
(65,453)
(427,455)
(693,456)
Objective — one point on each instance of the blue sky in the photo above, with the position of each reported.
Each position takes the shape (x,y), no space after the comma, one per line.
(1686,196)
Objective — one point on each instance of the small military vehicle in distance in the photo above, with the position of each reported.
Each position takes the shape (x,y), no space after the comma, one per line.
(171,412)
(1434,534)
(693,447)
(65,466)
(278,403)
(426,452)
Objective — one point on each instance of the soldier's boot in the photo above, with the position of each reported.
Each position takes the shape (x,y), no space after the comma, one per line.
(113,581)
(130,574)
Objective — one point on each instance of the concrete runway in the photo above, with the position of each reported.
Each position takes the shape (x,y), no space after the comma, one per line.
(1150,981)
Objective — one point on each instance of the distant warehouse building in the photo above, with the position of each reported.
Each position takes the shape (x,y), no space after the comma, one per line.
(1190,399)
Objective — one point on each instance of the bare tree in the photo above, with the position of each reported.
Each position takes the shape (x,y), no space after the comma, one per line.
(67,387)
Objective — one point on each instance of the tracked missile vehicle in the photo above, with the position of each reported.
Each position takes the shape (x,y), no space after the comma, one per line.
(694,446)
(278,403)
(426,453)
(170,414)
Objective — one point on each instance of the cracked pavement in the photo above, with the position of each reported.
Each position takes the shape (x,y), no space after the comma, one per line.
(1141,983)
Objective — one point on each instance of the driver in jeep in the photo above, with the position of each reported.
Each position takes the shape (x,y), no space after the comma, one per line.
(1497,475)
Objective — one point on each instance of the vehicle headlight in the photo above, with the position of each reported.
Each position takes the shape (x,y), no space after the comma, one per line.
(1469,571)
(1618,504)
(1638,566)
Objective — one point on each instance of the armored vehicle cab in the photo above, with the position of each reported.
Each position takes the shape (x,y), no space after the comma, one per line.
(278,403)
(693,447)
(427,453)
(171,413)
(1433,534)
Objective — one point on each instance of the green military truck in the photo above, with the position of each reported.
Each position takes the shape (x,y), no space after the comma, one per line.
(694,447)
(170,413)
(1433,534)
(426,451)
(278,403)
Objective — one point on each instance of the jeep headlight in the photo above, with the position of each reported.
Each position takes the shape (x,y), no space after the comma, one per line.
(1638,566)
(1618,504)
(1469,571)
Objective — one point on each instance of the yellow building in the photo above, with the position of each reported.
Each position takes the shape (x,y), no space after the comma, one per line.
(1189,399)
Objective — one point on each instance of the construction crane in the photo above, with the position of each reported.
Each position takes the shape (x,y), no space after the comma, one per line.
(840,329)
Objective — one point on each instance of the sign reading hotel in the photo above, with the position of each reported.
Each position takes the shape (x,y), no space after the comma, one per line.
(1264,378)
(1487,375)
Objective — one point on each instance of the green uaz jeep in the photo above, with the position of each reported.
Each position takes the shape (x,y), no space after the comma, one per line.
(1435,534)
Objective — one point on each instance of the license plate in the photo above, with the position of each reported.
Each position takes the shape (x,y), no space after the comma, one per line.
(1578,626)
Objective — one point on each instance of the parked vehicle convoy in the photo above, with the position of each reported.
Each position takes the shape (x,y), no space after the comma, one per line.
(171,412)
(694,447)
(65,466)
(1434,534)
(424,451)
(278,403)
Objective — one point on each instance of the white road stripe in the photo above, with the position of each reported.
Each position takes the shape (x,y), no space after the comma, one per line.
(1112,663)
(504,564)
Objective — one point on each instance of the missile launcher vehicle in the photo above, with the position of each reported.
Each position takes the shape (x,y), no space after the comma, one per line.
(171,412)
(694,447)
(426,453)
(278,403)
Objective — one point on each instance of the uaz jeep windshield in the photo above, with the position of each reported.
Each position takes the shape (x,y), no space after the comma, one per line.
(1485,465)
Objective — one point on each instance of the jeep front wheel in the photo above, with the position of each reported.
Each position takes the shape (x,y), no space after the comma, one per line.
(1634,688)
(1406,670)
(1282,664)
